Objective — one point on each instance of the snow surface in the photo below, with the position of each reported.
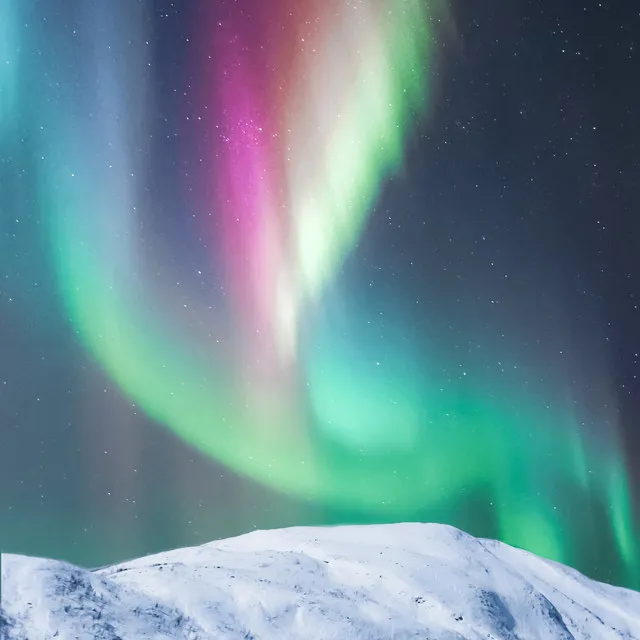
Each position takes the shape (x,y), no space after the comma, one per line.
(358,582)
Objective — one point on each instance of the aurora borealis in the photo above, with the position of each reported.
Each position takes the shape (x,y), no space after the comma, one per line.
(269,236)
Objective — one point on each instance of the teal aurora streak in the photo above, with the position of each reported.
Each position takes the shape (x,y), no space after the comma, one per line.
(384,438)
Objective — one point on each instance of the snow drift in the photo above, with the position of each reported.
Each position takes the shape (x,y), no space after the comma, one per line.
(357,582)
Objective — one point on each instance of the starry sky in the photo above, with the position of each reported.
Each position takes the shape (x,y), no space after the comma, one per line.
(317,262)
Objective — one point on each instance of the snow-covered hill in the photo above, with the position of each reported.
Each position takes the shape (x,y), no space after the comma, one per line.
(361,582)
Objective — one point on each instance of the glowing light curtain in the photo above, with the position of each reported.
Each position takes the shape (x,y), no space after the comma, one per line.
(312,105)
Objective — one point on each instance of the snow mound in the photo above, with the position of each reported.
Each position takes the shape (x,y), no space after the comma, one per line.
(358,582)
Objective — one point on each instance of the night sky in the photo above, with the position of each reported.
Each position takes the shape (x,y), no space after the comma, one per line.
(319,261)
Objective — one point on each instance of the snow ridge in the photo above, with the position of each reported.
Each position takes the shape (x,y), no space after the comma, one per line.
(363,582)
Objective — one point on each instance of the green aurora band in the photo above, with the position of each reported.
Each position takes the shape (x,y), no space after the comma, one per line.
(389,439)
